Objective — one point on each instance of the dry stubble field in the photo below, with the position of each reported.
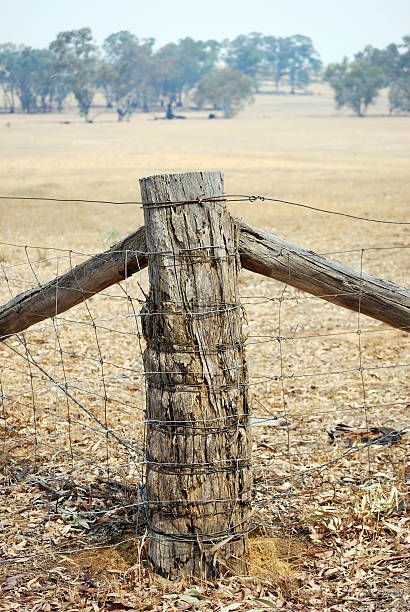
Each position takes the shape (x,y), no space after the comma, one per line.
(335,538)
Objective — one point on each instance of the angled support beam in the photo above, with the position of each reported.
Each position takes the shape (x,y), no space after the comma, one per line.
(260,251)
(75,286)
(269,255)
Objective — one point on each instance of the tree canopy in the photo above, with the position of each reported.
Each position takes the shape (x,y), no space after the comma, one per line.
(356,84)
(29,76)
(75,60)
(225,90)
(123,74)
(131,74)
(395,63)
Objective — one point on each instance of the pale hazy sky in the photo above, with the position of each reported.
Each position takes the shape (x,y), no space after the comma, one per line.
(337,28)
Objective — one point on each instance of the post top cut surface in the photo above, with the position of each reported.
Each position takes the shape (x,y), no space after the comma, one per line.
(182,175)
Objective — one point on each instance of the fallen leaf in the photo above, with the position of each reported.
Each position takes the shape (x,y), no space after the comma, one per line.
(264,602)
(194,600)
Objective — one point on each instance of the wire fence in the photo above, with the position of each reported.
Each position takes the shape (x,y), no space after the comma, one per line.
(225,198)
(329,393)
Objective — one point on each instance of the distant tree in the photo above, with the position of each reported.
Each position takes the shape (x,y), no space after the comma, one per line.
(35,79)
(8,55)
(16,76)
(403,67)
(224,89)
(46,83)
(125,74)
(61,90)
(211,55)
(303,61)
(277,53)
(394,62)
(75,56)
(197,58)
(399,96)
(179,67)
(384,59)
(293,58)
(356,84)
(245,54)
(167,77)
(30,75)
(105,80)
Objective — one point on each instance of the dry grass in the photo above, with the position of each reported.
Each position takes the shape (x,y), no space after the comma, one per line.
(343,541)
(296,148)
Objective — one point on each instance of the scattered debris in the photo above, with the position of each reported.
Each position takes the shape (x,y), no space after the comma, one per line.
(350,436)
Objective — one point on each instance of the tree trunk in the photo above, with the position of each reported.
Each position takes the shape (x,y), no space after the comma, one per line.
(170,112)
(198,441)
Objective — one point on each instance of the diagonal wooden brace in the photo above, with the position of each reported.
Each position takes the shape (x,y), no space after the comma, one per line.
(260,252)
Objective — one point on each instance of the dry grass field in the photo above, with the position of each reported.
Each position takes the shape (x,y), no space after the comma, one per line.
(296,148)
(331,537)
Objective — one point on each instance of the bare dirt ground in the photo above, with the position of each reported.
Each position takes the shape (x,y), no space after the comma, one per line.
(331,533)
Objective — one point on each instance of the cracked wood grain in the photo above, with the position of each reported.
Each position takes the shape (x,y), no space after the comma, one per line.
(198,440)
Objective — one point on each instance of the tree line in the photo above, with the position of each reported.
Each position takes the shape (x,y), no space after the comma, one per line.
(132,75)
(357,83)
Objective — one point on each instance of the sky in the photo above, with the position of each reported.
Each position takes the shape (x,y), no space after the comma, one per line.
(337,28)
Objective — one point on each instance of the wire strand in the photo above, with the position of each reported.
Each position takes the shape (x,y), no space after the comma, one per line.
(225,198)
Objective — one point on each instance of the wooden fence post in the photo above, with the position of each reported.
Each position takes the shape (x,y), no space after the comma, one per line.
(198,440)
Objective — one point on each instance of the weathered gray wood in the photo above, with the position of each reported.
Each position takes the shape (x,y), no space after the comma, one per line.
(289,263)
(198,441)
(260,252)
(79,284)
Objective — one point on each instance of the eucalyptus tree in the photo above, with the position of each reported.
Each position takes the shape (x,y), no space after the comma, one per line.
(277,51)
(75,55)
(399,93)
(8,56)
(293,58)
(125,73)
(197,58)
(245,54)
(224,89)
(399,96)
(303,61)
(167,77)
(179,67)
(394,60)
(356,84)
(36,79)
(28,75)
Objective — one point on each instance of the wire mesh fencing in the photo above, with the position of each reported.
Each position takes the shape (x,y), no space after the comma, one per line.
(329,393)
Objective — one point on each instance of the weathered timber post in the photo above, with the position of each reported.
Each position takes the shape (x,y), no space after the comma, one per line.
(198,441)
